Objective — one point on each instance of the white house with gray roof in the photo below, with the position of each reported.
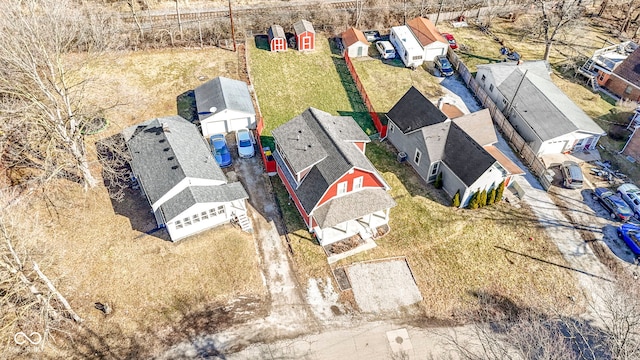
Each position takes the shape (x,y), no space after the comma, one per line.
(541,113)
(224,105)
(339,193)
(186,189)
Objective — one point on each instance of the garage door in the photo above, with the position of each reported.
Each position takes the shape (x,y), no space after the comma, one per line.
(555,147)
(239,123)
(432,53)
(215,127)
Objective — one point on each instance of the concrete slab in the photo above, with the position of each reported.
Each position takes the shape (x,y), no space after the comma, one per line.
(383,286)
(399,341)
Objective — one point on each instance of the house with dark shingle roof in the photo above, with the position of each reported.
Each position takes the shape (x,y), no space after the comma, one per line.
(462,150)
(541,113)
(624,80)
(224,105)
(321,160)
(186,189)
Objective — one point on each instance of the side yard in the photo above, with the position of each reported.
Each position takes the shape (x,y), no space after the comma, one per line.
(457,256)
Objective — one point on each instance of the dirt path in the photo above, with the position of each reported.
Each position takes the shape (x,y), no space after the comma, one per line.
(288,315)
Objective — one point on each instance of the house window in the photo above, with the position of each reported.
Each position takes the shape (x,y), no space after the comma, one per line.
(187,221)
(483,78)
(196,218)
(212,212)
(491,87)
(204,215)
(357,183)
(416,157)
(504,101)
(601,78)
(178,224)
(627,91)
(220,209)
(342,188)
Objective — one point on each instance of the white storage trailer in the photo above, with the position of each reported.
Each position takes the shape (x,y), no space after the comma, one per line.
(407,46)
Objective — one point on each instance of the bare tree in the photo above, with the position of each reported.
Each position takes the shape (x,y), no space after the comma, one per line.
(555,17)
(43,112)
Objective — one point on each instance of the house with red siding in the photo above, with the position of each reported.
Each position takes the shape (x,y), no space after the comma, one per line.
(305,35)
(615,68)
(277,38)
(338,192)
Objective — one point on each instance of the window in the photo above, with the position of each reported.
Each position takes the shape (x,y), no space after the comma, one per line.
(601,78)
(504,101)
(178,224)
(491,87)
(203,215)
(627,91)
(342,187)
(220,209)
(416,157)
(357,183)
(196,218)
(434,171)
(417,57)
(187,221)
(483,78)
(212,212)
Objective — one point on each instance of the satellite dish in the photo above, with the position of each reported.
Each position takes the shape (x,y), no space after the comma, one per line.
(213,109)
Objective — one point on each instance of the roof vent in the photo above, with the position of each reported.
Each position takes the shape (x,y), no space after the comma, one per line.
(165,128)
(166,149)
(174,167)
(162,140)
(170,158)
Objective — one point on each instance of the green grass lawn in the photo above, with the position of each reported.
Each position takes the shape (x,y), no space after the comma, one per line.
(288,83)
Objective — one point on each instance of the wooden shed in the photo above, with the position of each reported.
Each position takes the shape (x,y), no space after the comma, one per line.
(277,38)
(355,43)
(305,35)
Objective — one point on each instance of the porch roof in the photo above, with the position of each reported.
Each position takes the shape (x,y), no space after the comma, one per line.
(352,206)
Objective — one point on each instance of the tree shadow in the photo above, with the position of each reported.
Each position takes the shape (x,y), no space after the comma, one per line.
(127,198)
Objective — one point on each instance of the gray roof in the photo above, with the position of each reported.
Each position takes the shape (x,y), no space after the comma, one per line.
(435,138)
(325,144)
(414,111)
(465,157)
(166,150)
(276,31)
(354,205)
(500,71)
(547,110)
(193,195)
(479,126)
(303,26)
(223,93)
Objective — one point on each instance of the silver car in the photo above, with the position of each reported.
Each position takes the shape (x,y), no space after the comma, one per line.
(631,195)
(572,175)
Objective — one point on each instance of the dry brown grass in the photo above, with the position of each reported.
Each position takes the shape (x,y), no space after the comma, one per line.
(99,256)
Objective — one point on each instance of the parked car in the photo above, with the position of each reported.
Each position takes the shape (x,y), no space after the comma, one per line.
(245,141)
(443,64)
(618,209)
(372,35)
(630,233)
(220,150)
(452,41)
(386,50)
(571,175)
(631,194)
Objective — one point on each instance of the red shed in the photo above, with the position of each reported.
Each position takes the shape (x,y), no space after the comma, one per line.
(305,35)
(277,38)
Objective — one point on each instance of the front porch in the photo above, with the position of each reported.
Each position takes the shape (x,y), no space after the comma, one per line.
(353,245)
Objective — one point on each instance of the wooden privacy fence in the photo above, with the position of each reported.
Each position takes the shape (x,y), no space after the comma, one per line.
(382,129)
(528,156)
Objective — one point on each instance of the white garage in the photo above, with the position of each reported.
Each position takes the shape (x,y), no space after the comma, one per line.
(224,105)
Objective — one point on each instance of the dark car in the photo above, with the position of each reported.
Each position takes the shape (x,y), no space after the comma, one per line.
(443,64)
(220,150)
(452,41)
(618,209)
(630,233)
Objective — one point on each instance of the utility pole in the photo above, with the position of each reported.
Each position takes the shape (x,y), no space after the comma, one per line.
(179,22)
(233,32)
(439,10)
(404,16)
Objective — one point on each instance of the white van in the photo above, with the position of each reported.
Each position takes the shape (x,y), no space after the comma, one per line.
(386,50)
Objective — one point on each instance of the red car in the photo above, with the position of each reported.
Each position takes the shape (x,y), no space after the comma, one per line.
(452,41)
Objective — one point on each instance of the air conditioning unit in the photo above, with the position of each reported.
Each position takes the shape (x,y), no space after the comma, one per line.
(402,156)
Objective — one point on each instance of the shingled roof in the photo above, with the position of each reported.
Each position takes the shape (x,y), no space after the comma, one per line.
(303,26)
(629,69)
(352,36)
(425,31)
(414,111)
(324,145)
(223,93)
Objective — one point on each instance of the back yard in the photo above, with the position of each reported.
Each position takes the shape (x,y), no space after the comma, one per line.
(457,256)
(101,253)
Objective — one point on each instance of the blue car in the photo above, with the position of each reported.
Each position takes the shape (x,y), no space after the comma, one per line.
(613,203)
(220,150)
(630,233)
